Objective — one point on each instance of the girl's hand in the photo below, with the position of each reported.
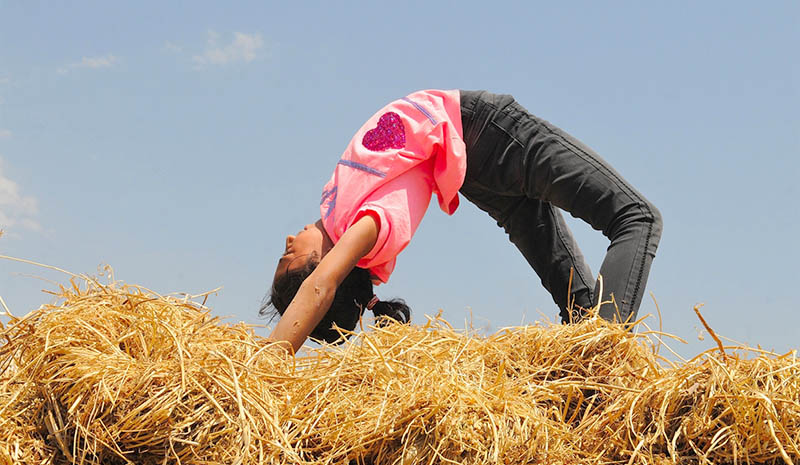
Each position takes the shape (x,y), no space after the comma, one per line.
(316,293)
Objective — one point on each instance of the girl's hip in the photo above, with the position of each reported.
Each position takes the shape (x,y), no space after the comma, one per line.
(495,127)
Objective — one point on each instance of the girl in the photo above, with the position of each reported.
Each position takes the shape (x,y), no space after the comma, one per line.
(511,164)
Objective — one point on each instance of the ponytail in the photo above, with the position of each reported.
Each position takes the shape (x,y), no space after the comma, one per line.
(386,310)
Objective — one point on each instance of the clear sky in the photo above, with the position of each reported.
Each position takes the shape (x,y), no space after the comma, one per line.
(180,142)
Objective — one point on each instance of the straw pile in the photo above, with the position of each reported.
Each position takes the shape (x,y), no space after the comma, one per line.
(115,374)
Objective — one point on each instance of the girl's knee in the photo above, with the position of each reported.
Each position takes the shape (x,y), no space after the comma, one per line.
(654,227)
(656,219)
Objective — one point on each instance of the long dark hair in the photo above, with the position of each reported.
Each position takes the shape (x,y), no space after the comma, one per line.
(352,297)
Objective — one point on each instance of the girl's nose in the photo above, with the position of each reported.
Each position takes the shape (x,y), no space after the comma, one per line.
(289,240)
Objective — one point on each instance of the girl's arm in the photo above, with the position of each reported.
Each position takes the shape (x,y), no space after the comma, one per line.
(316,293)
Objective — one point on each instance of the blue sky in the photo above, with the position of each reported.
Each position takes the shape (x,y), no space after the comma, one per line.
(180,142)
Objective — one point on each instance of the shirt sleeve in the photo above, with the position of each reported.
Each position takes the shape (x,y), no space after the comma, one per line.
(398,206)
(371,260)
(450,166)
(445,143)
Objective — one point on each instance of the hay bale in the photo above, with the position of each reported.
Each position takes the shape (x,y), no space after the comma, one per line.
(116,374)
(21,438)
(130,377)
(720,409)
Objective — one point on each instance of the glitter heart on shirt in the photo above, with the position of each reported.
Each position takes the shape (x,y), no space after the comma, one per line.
(389,134)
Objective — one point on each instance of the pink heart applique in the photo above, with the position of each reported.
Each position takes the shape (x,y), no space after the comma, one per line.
(389,134)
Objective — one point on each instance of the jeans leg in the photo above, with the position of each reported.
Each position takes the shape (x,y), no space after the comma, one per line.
(520,154)
(539,232)
(563,171)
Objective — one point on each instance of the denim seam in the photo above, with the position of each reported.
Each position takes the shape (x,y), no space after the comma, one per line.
(640,201)
(570,251)
(644,259)
(637,270)
(474,105)
(566,144)
(622,185)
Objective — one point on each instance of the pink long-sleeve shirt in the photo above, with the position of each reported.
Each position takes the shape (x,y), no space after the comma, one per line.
(404,153)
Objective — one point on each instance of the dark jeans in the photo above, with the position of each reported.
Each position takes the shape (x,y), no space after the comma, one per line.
(520,168)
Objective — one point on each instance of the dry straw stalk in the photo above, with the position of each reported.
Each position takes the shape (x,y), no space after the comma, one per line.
(115,374)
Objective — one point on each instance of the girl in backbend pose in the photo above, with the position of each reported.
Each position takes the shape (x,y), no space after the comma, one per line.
(518,168)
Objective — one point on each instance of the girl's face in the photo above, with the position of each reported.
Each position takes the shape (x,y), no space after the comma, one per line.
(311,242)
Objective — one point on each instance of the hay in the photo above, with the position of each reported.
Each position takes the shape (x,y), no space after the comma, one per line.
(116,374)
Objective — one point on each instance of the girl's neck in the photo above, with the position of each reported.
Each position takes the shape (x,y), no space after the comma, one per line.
(327,242)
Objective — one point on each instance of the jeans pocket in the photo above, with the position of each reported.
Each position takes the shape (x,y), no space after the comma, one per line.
(496,161)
